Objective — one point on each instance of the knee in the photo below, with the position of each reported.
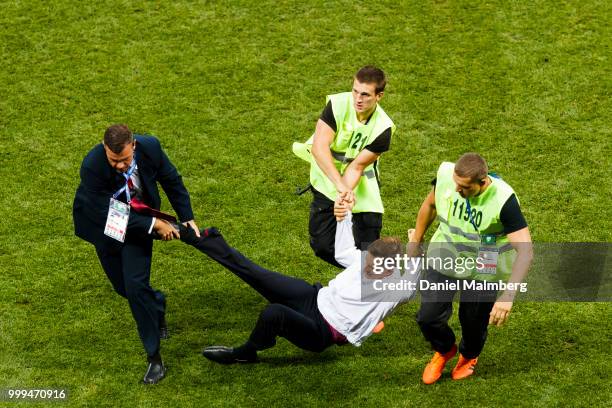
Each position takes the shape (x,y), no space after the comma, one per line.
(424,321)
(272,312)
(134,290)
(471,326)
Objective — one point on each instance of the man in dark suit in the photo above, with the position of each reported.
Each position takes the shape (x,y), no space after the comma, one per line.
(126,167)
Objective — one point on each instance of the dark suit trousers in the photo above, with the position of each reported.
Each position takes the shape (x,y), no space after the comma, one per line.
(128,267)
(292,313)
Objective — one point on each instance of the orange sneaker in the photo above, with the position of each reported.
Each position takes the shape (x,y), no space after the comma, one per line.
(433,370)
(464,368)
(379,327)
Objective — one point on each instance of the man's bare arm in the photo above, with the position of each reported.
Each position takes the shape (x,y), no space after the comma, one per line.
(355,169)
(427,214)
(323,138)
(521,241)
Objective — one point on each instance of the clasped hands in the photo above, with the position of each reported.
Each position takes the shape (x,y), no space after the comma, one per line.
(167,232)
(343,204)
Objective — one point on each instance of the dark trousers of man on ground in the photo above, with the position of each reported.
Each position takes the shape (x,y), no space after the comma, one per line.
(292,313)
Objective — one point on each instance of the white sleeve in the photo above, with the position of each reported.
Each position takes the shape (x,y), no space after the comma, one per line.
(345,251)
(152,225)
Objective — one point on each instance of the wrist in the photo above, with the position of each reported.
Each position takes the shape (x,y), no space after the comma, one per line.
(507,296)
(340,188)
(158,223)
(416,237)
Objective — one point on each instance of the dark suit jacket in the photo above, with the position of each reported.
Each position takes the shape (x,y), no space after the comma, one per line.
(99,181)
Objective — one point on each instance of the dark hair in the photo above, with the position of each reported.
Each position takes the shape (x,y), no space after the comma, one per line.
(372,75)
(471,165)
(117,136)
(386,247)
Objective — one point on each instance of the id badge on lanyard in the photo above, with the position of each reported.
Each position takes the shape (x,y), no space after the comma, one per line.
(488,251)
(118,211)
(117,220)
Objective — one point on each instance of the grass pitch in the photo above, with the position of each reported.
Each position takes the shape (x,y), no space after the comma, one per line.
(227,87)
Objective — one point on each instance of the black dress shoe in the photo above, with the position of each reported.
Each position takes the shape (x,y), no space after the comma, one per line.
(155,373)
(227,355)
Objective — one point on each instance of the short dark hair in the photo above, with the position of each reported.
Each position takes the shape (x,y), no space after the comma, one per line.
(372,75)
(117,136)
(386,247)
(471,165)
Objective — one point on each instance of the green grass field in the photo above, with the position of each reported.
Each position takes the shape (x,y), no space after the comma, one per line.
(228,86)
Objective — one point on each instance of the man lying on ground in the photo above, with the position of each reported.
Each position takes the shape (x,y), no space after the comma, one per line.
(313,317)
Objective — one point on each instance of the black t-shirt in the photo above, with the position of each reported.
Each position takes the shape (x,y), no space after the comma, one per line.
(510,216)
(379,145)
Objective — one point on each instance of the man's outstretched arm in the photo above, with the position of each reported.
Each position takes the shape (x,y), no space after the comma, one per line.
(345,251)
(427,214)
(323,138)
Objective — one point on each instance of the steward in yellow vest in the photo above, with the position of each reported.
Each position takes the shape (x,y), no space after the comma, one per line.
(351,134)
(481,246)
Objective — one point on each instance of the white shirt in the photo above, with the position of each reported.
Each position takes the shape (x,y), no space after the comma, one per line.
(341,302)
